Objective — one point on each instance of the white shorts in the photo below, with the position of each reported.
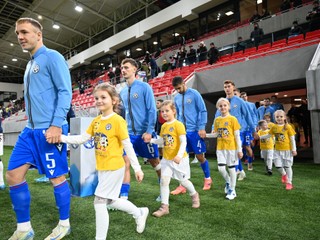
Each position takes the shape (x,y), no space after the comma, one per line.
(267,154)
(179,171)
(109,183)
(283,158)
(228,157)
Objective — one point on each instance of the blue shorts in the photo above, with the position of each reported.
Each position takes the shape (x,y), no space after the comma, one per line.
(246,138)
(195,144)
(32,148)
(142,149)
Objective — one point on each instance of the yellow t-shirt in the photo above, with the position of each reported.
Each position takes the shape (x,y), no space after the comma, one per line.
(282,136)
(270,125)
(170,133)
(225,127)
(108,134)
(267,143)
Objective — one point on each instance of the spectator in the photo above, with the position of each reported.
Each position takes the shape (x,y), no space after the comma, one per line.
(314,17)
(146,69)
(285,6)
(70,115)
(181,56)
(117,72)
(147,57)
(165,65)
(256,35)
(241,45)
(158,53)
(265,14)
(305,121)
(112,76)
(202,51)
(213,54)
(192,55)
(81,87)
(295,29)
(154,67)
(255,17)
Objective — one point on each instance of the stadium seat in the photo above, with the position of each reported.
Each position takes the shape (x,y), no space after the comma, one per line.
(264,47)
(313,35)
(279,44)
(296,39)
(250,51)
(237,54)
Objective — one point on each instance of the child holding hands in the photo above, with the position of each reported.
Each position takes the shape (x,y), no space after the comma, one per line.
(175,161)
(110,134)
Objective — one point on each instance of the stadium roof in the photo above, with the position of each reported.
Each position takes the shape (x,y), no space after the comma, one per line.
(76,28)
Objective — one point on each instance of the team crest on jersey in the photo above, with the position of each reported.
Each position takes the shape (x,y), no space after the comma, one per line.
(235,106)
(36,68)
(226,123)
(135,95)
(171,129)
(189,100)
(109,126)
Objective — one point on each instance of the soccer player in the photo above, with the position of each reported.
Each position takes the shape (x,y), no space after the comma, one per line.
(192,112)
(111,137)
(229,147)
(240,110)
(248,134)
(141,114)
(47,94)
(175,161)
(266,108)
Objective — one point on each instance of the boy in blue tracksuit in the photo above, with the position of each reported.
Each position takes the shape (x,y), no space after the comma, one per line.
(240,110)
(47,94)
(192,112)
(141,115)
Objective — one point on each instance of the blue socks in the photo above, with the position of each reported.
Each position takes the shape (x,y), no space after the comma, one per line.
(125,189)
(20,198)
(205,168)
(250,159)
(63,196)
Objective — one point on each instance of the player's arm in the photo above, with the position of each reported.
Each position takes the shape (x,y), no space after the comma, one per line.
(239,143)
(151,110)
(203,115)
(127,145)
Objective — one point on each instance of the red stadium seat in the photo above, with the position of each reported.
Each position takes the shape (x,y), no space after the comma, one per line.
(313,35)
(296,39)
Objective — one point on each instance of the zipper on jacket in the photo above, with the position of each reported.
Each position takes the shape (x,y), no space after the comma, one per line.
(130,111)
(28,95)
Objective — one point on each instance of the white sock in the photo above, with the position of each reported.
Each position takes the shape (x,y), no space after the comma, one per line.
(189,186)
(224,173)
(126,206)
(102,221)
(281,171)
(269,164)
(1,173)
(65,223)
(233,178)
(289,174)
(23,227)
(164,189)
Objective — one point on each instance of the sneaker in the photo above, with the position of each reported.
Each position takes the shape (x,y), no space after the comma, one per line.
(231,194)
(145,161)
(141,221)
(59,232)
(158,199)
(289,186)
(269,172)
(179,190)
(195,200)
(250,167)
(242,175)
(19,235)
(207,184)
(195,160)
(2,187)
(284,179)
(226,188)
(163,210)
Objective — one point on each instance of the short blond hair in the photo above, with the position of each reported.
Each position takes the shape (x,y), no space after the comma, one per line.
(32,21)
(222,100)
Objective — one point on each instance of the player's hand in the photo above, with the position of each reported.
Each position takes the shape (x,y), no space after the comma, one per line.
(294,153)
(177,159)
(255,135)
(139,176)
(146,137)
(53,134)
(240,155)
(202,133)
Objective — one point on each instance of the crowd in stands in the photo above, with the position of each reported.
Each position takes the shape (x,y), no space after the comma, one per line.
(12,108)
